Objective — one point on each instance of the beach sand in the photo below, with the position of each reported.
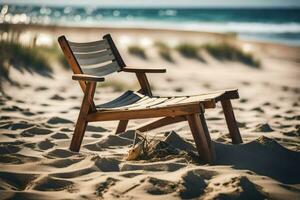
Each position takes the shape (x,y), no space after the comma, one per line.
(37,122)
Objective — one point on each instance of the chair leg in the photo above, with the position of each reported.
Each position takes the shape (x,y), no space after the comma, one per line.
(231,122)
(81,121)
(207,135)
(200,138)
(122,126)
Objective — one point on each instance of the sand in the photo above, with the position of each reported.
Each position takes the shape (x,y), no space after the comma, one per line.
(37,121)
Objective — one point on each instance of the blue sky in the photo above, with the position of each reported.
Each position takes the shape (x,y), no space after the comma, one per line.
(163,3)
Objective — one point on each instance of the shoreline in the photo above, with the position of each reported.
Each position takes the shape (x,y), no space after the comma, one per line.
(59,29)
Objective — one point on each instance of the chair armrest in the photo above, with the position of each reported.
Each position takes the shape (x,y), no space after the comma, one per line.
(142,70)
(86,77)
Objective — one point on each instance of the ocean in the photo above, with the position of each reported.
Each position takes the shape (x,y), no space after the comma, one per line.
(278,25)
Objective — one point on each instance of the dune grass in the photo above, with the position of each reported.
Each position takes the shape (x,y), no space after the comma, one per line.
(164,51)
(137,51)
(23,58)
(55,53)
(225,51)
(188,50)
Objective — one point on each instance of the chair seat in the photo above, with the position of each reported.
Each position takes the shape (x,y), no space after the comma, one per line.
(131,100)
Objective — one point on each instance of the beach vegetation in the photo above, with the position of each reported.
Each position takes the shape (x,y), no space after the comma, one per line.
(225,51)
(55,53)
(137,51)
(189,51)
(23,58)
(164,51)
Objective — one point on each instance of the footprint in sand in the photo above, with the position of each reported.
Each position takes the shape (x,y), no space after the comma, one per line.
(96,136)
(57,97)
(75,108)
(73,97)
(17,159)
(58,120)
(28,113)
(106,164)
(247,189)
(61,153)
(102,187)
(8,149)
(62,163)
(42,88)
(95,129)
(258,109)
(31,132)
(46,144)
(16,181)
(159,186)
(51,184)
(194,183)
(292,133)
(16,126)
(59,136)
(130,174)
(5,118)
(12,109)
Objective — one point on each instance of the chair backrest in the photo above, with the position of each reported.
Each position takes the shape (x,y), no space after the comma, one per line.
(98,58)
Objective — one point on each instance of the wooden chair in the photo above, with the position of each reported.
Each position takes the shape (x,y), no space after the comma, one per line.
(92,60)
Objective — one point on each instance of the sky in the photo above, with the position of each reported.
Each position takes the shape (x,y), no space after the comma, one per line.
(162,3)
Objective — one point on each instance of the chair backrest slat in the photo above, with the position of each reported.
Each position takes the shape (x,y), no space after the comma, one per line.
(95,60)
(89,46)
(92,55)
(102,70)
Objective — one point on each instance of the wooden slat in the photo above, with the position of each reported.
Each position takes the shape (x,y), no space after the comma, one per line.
(173,111)
(143,70)
(107,104)
(102,70)
(125,100)
(92,55)
(201,97)
(172,101)
(157,102)
(97,60)
(86,77)
(133,105)
(89,46)
(144,105)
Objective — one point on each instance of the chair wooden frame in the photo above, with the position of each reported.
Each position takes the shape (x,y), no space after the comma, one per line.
(191,109)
